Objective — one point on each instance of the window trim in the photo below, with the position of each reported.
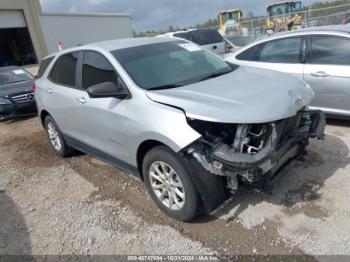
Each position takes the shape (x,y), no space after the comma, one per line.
(76,70)
(301,56)
(258,46)
(80,66)
(51,59)
(308,59)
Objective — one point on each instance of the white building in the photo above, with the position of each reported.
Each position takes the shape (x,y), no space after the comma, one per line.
(27,34)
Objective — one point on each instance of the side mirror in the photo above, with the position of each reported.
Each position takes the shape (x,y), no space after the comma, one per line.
(107,89)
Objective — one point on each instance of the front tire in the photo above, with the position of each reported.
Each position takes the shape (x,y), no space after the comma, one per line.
(56,138)
(169,184)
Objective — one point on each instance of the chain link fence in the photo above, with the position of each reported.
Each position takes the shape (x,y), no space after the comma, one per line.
(312,17)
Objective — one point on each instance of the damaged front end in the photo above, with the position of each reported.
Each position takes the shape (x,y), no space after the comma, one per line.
(253,153)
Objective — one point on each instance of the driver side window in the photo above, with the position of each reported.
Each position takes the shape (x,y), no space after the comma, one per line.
(97,69)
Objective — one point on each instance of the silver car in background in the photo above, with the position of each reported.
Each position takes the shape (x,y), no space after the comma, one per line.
(208,38)
(191,126)
(320,56)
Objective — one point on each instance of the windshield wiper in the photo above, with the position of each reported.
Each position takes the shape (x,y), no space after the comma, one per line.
(164,87)
(214,75)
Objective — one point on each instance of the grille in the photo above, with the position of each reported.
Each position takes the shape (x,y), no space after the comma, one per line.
(23,98)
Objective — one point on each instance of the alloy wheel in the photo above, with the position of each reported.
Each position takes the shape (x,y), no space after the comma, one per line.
(167,185)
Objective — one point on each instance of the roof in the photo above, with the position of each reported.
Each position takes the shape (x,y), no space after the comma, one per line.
(316,29)
(230,10)
(119,44)
(283,2)
(130,42)
(87,14)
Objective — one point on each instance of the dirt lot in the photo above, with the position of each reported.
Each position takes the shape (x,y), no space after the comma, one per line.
(78,205)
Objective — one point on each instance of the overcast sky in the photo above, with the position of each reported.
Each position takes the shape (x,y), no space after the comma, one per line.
(159,14)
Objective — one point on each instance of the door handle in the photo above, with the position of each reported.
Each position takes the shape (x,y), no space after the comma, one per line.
(214,47)
(320,74)
(81,100)
(49,90)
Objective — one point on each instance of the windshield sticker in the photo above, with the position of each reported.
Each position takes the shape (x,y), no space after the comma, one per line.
(190,47)
(19,72)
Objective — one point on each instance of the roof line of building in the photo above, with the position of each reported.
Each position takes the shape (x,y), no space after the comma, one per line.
(86,14)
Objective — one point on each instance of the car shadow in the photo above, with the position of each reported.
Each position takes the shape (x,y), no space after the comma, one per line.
(300,182)
(19,119)
(14,235)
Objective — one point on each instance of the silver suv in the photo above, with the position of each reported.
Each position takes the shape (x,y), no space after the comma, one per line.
(188,124)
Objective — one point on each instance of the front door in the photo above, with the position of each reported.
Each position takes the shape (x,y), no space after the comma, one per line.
(102,119)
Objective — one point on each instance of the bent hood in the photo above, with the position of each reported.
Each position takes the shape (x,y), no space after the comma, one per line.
(247,95)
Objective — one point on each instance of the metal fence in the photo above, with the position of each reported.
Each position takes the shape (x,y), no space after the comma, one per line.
(312,17)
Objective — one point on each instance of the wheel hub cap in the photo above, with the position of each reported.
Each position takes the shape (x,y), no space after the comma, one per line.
(167,185)
(54,137)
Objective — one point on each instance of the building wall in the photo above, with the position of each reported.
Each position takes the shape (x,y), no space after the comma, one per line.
(79,29)
(72,29)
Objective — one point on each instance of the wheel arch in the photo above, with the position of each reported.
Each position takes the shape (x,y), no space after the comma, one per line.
(143,149)
(43,115)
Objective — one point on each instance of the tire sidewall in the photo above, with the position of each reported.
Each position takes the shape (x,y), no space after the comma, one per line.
(162,153)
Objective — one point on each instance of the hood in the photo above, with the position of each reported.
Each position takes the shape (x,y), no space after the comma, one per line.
(247,95)
(16,88)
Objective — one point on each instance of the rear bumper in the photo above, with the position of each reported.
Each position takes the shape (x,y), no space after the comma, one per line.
(17,110)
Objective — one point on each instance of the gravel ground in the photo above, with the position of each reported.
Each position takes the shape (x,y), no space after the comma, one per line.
(78,205)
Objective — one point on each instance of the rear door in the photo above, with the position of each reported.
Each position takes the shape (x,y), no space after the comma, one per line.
(102,119)
(209,39)
(284,55)
(327,71)
(62,93)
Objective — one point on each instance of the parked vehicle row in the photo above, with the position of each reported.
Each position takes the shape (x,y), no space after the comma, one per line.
(177,116)
(320,56)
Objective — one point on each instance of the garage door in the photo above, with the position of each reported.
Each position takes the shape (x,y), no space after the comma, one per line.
(16,46)
(12,19)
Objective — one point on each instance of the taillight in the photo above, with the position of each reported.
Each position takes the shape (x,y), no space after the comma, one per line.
(33,87)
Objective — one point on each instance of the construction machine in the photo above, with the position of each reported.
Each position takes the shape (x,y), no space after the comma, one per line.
(283,16)
(229,22)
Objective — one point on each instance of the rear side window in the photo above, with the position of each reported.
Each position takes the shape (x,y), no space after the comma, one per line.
(97,69)
(181,35)
(206,37)
(282,51)
(330,50)
(43,66)
(64,70)
(249,54)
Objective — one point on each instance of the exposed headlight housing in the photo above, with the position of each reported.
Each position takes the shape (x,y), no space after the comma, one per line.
(5,101)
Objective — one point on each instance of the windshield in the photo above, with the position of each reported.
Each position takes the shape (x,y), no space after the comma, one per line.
(227,16)
(240,40)
(280,9)
(169,64)
(13,76)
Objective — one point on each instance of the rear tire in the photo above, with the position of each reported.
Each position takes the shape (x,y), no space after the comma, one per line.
(169,184)
(56,138)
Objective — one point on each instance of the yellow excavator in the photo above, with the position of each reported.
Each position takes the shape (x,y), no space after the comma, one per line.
(283,16)
(229,22)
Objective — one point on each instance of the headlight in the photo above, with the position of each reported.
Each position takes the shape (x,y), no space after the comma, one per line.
(5,101)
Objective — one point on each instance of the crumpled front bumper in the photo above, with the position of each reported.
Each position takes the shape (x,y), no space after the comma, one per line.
(260,168)
(314,129)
